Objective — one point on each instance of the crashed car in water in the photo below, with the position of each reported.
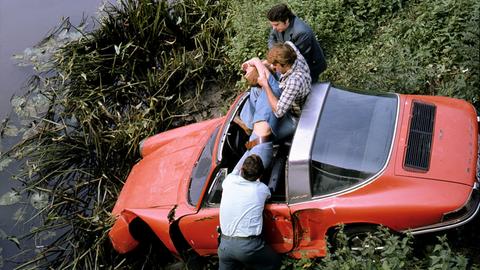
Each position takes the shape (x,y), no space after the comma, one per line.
(357,159)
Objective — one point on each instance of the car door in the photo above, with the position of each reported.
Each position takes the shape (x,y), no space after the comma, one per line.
(200,229)
(277,227)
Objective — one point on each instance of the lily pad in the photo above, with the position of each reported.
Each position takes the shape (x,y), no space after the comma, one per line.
(11,131)
(39,200)
(14,240)
(19,215)
(4,162)
(10,198)
(17,104)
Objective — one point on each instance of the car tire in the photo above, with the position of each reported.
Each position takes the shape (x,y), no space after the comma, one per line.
(356,235)
(149,241)
(478,159)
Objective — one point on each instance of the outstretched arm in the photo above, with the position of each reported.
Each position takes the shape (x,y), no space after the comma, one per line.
(272,99)
(264,73)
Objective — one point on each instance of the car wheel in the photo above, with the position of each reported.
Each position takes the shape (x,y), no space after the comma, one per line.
(354,237)
(478,159)
(148,241)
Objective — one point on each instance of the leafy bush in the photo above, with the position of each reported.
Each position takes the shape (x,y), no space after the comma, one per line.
(430,48)
(249,31)
(383,250)
(422,47)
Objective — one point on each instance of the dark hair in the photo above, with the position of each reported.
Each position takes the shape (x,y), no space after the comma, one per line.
(282,54)
(252,168)
(279,13)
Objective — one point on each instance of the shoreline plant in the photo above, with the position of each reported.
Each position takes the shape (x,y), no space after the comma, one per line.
(106,90)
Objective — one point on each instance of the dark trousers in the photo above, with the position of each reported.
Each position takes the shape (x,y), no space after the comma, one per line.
(253,253)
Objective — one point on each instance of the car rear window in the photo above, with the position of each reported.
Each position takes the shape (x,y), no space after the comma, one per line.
(353,139)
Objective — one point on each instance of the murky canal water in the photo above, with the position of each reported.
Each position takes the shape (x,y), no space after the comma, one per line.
(23,23)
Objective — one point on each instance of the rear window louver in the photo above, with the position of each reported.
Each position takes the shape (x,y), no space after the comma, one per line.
(420,137)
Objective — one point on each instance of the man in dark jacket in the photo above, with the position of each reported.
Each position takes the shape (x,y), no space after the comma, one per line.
(287,27)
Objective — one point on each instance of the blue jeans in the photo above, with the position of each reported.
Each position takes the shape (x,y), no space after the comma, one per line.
(257,108)
(286,126)
(263,150)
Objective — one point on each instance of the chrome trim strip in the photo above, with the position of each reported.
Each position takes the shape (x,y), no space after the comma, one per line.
(228,122)
(298,188)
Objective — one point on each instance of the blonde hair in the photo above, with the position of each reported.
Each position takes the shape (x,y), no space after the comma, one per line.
(251,75)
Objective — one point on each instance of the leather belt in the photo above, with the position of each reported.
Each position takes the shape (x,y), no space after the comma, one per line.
(240,237)
(262,139)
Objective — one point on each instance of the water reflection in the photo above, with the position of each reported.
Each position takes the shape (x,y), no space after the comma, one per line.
(22,25)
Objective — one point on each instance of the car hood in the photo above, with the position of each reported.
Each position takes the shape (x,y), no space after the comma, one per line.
(161,178)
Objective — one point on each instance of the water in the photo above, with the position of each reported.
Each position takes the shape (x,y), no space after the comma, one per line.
(22,25)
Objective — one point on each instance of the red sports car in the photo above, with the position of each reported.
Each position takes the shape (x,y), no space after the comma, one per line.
(406,162)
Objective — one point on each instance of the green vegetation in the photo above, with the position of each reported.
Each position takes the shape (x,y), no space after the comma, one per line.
(422,47)
(96,95)
(383,250)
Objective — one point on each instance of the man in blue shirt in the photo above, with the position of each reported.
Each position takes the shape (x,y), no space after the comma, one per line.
(241,220)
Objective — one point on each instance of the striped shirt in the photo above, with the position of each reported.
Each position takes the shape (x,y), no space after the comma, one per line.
(296,84)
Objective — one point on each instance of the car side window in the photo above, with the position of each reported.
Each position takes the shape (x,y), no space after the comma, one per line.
(215,191)
(352,140)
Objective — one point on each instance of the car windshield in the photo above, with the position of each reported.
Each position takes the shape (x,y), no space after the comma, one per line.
(201,170)
(352,140)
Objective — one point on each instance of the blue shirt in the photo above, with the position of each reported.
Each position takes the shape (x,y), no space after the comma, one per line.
(241,207)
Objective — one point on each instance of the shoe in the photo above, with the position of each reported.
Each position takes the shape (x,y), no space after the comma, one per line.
(241,124)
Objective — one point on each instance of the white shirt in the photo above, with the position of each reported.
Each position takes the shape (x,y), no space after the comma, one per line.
(241,207)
